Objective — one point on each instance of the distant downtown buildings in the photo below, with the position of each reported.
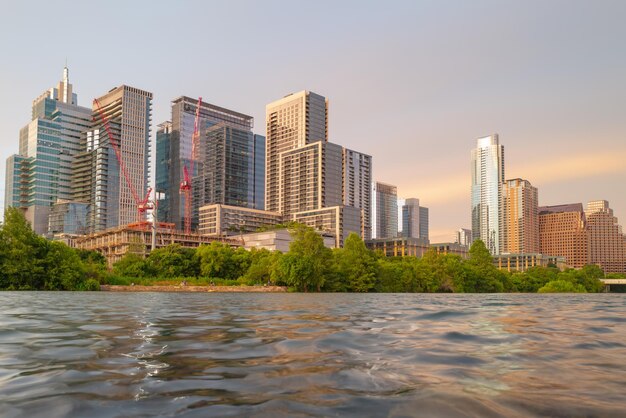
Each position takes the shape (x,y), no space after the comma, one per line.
(506,216)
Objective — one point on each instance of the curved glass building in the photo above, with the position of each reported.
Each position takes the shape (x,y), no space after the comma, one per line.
(487,180)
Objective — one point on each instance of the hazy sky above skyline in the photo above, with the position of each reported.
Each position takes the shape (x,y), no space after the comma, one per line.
(413,83)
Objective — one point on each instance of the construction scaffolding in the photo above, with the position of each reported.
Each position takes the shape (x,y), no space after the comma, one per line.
(136,237)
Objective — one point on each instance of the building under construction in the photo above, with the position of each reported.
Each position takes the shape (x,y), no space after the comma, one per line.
(137,238)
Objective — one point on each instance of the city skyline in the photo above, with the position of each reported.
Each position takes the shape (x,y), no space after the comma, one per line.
(546,78)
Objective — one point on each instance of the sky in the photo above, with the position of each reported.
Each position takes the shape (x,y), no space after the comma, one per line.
(412,83)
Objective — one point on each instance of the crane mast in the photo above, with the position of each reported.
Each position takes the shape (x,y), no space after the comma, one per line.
(185,185)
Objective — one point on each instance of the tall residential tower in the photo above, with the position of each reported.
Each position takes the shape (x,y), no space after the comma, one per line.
(294,121)
(487,179)
(520,232)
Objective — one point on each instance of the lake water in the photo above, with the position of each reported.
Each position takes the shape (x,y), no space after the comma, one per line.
(105,354)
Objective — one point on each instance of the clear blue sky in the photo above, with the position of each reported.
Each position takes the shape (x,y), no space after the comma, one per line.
(413,83)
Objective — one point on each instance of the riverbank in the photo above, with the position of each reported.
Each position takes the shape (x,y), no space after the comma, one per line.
(210,289)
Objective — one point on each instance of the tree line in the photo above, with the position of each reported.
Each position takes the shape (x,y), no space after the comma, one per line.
(31,262)
(310,266)
(28,261)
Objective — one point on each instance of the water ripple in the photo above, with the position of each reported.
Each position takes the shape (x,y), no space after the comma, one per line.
(197,355)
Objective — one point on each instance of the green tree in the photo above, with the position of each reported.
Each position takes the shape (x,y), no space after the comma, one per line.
(216,261)
(305,265)
(131,265)
(22,253)
(64,270)
(263,266)
(173,261)
(356,265)
(534,278)
(562,286)
(481,276)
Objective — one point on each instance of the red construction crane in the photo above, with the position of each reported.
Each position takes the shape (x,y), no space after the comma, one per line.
(185,185)
(142,205)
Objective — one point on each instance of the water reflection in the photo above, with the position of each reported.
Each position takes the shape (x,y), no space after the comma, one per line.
(107,354)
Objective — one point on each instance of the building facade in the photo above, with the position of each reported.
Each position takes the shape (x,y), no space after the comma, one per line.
(180,153)
(520,232)
(231,168)
(224,220)
(607,243)
(464,237)
(310,178)
(414,219)
(41,173)
(522,262)
(563,232)
(294,121)
(399,246)
(162,170)
(487,171)
(277,240)
(340,221)
(112,190)
(386,210)
(357,185)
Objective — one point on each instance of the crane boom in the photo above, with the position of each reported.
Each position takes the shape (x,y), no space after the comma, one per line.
(142,205)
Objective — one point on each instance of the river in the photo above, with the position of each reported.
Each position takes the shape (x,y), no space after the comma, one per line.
(100,354)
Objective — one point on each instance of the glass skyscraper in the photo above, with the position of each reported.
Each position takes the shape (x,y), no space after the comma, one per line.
(231,168)
(42,172)
(386,210)
(169,170)
(487,179)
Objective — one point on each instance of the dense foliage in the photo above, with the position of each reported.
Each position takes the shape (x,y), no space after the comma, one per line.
(28,261)
(310,266)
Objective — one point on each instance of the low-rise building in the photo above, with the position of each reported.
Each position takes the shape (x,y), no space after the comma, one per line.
(277,240)
(339,221)
(136,238)
(522,262)
(224,220)
(451,248)
(399,247)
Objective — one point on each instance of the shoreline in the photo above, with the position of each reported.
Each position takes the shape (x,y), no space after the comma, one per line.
(207,289)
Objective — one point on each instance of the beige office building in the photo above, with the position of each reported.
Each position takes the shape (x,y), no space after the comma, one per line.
(520,232)
(225,220)
(294,121)
(607,246)
(563,232)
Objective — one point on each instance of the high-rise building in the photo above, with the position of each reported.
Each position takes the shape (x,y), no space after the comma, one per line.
(563,232)
(464,237)
(231,168)
(607,244)
(520,232)
(414,219)
(114,190)
(310,178)
(180,141)
(41,173)
(162,170)
(386,210)
(294,121)
(357,185)
(487,180)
